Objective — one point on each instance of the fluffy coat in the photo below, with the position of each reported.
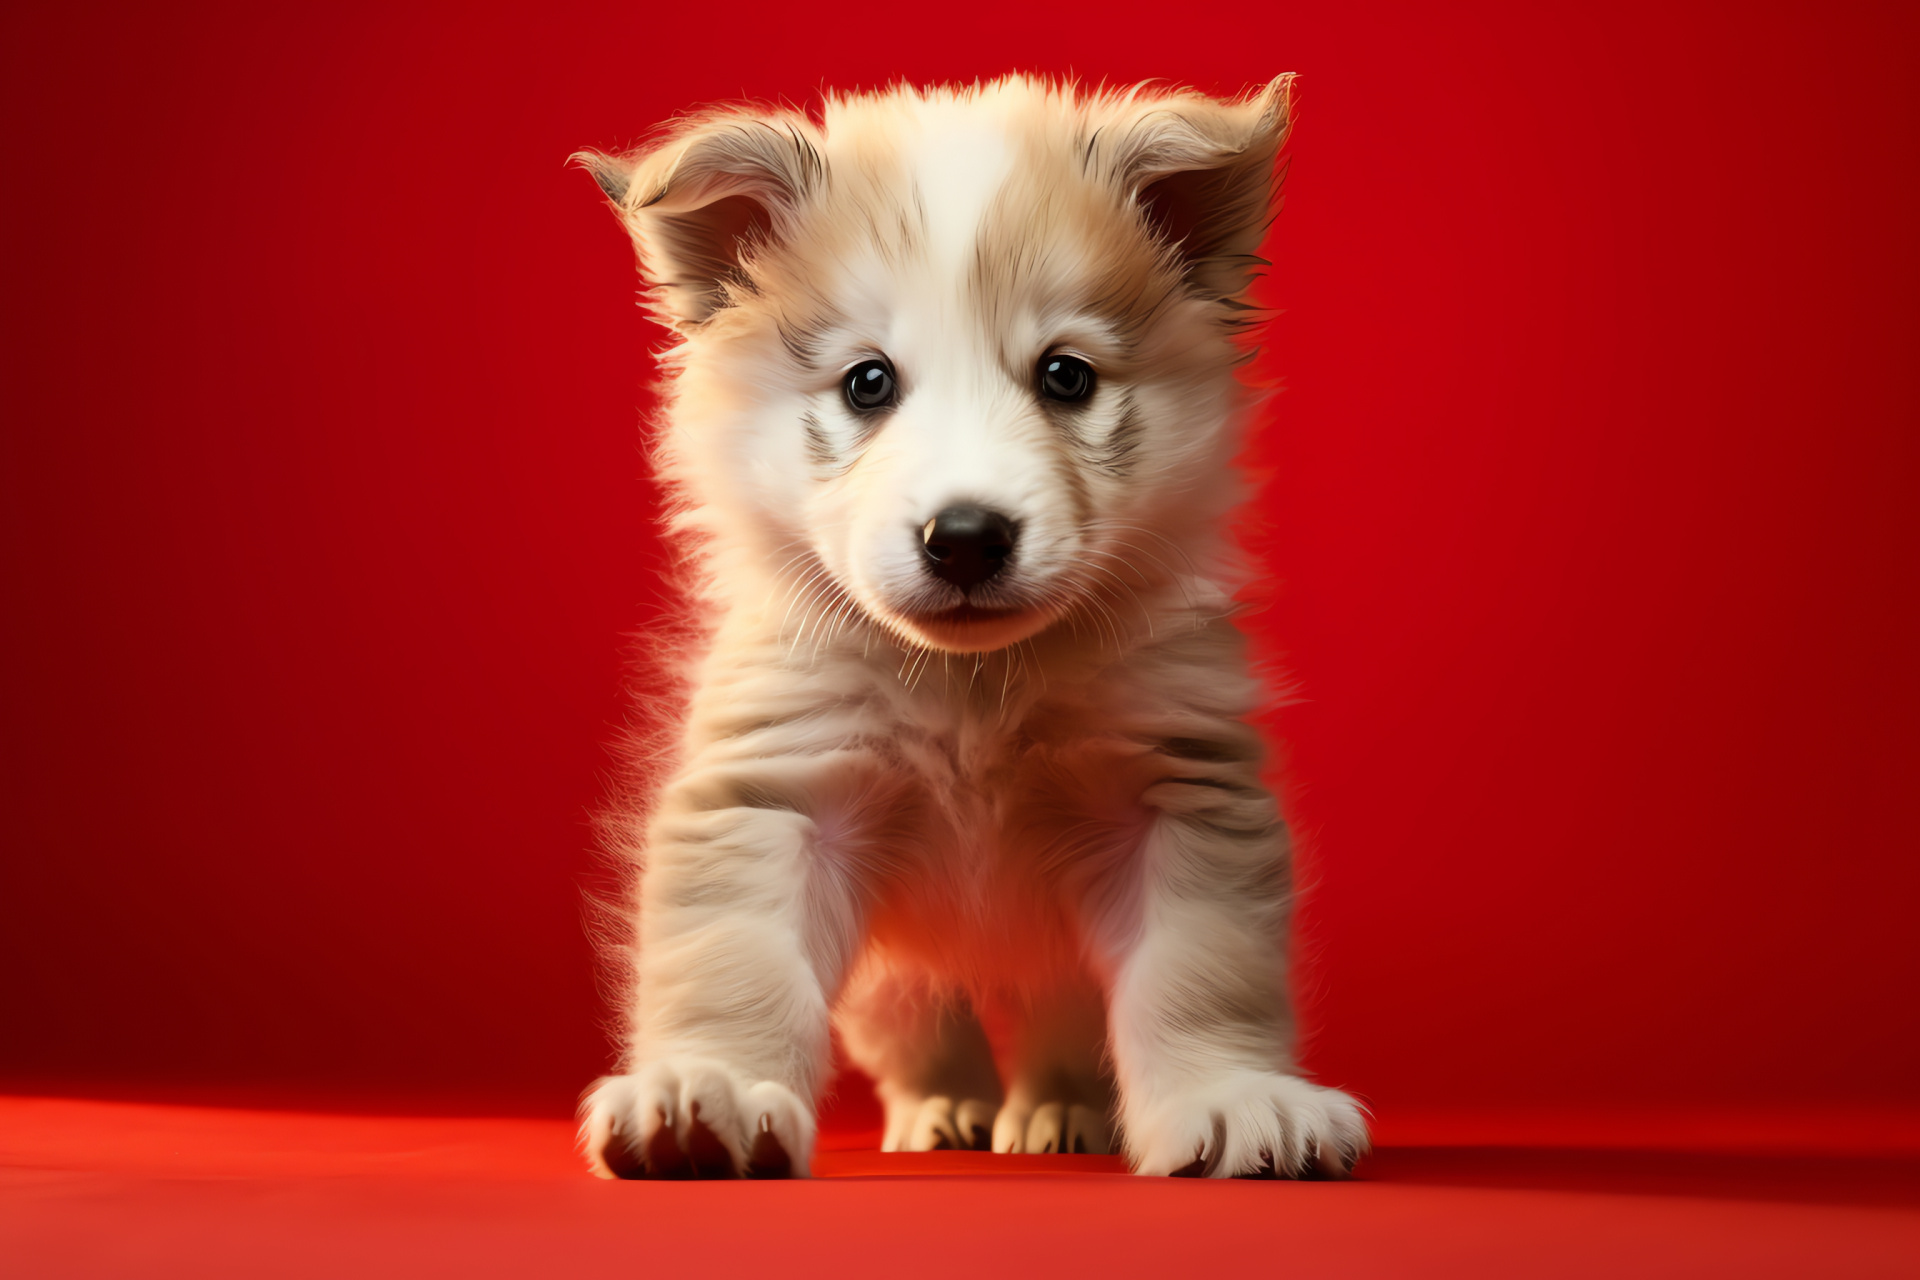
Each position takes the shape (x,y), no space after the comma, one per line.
(924,810)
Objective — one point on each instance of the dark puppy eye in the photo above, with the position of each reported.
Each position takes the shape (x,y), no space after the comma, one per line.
(1065,378)
(870,387)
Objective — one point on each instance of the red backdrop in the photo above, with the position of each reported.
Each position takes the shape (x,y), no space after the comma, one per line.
(1594,527)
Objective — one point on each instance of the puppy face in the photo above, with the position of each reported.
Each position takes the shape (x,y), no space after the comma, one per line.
(960,362)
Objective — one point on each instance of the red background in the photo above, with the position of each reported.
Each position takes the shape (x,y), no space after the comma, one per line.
(1594,528)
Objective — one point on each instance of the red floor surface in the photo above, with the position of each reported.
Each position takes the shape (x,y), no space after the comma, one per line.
(140,1190)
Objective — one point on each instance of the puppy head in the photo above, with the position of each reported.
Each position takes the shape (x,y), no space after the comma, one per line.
(958,360)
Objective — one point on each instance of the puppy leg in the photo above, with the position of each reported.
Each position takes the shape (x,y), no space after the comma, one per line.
(929,1059)
(1060,1097)
(1201,1025)
(741,936)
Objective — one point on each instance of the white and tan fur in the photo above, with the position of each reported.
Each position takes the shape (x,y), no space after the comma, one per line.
(1043,815)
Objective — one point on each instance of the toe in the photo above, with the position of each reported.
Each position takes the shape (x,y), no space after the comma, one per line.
(1010,1131)
(707,1156)
(973,1121)
(768,1159)
(708,1123)
(1047,1129)
(661,1156)
(1206,1153)
(780,1122)
(601,1141)
(933,1127)
(1265,1171)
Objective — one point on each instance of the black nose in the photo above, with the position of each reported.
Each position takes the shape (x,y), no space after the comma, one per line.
(968,545)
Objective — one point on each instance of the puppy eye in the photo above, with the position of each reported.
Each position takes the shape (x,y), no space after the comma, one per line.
(1065,378)
(871,387)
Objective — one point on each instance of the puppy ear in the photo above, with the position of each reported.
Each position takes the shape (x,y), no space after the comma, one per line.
(1203,173)
(700,202)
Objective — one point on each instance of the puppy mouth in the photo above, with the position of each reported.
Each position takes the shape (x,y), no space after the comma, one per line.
(961,614)
(973,628)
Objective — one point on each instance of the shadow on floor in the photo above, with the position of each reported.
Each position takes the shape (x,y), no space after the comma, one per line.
(1867,1180)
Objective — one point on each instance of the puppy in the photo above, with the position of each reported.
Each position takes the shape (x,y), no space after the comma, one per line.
(951,409)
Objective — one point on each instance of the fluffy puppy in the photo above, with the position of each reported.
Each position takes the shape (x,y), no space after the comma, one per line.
(951,409)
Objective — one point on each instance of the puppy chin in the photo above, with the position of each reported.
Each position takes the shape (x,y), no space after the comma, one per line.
(970,629)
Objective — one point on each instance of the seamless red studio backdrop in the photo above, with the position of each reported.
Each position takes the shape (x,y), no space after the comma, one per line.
(1591,513)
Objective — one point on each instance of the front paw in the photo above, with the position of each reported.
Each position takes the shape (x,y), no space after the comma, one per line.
(693,1118)
(1246,1124)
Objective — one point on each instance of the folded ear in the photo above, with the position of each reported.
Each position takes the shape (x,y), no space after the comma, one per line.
(1203,173)
(699,202)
